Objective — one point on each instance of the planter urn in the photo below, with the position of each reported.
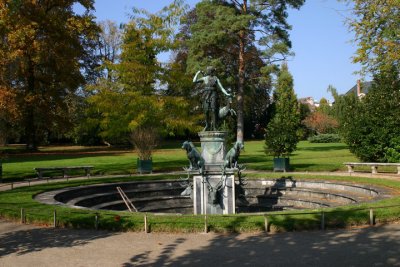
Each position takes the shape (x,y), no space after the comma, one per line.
(281,164)
(144,166)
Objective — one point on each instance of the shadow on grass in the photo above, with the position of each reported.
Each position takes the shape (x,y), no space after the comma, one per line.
(127,165)
(171,164)
(301,166)
(173,144)
(56,157)
(254,159)
(322,148)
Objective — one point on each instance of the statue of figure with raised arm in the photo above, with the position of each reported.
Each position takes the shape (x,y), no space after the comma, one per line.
(209,95)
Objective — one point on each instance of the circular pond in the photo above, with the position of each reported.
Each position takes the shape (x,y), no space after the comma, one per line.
(259,195)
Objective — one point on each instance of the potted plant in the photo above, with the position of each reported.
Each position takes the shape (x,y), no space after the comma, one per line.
(145,140)
(280,144)
(281,136)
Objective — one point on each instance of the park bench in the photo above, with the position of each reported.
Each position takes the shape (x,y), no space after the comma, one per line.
(64,170)
(374,166)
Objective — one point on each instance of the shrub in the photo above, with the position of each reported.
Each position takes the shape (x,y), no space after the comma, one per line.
(325,138)
(392,153)
(321,123)
(145,140)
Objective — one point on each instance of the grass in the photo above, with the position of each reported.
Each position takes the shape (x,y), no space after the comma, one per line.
(308,157)
(12,201)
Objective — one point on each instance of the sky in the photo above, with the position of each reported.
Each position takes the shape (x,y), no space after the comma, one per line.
(320,40)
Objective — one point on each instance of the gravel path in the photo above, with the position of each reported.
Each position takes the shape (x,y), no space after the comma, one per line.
(27,245)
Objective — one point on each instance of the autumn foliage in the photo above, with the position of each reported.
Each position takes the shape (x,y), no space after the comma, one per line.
(45,57)
(9,112)
(321,123)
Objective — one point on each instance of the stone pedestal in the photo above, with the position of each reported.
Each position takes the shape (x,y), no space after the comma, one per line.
(213,190)
(214,194)
(213,149)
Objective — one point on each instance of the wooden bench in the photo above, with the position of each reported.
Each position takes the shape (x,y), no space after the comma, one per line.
(64,170)
(373,165)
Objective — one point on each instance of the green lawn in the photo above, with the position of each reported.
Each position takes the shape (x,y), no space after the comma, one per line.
(308,157)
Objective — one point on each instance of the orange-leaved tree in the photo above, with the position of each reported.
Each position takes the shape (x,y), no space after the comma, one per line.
(45,54)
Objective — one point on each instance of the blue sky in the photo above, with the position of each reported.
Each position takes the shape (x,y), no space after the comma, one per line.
(321,42)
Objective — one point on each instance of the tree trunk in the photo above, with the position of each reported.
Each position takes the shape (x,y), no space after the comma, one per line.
(241,81)
(30,127)
(240,91)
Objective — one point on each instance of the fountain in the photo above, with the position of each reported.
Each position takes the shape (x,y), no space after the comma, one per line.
(214,182)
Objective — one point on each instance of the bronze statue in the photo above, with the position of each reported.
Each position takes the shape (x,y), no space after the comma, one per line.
(209,95)
(232,157)
(196,162)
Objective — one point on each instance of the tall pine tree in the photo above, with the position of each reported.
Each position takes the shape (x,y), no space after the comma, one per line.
(237,29)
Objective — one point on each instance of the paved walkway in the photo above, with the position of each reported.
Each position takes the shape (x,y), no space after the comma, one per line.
(26,245)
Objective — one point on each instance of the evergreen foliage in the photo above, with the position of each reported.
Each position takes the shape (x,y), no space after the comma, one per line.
(325,138)
(282,132)
(244,40)
(305,111)
(370,126)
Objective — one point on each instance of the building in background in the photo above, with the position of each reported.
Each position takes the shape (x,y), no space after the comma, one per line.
(360,89)
(311,103)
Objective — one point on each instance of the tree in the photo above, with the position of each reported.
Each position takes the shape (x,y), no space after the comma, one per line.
(376,26)
(9,113)
(343,105)
(370,126)
(124,111)
(324,106)
(305,111)
(222,55)
(45,56)
(321,123)
(227,31)
(282,132)
(109,47)
(135,101)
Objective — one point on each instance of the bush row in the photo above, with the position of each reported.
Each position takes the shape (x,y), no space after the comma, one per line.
(325,138)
